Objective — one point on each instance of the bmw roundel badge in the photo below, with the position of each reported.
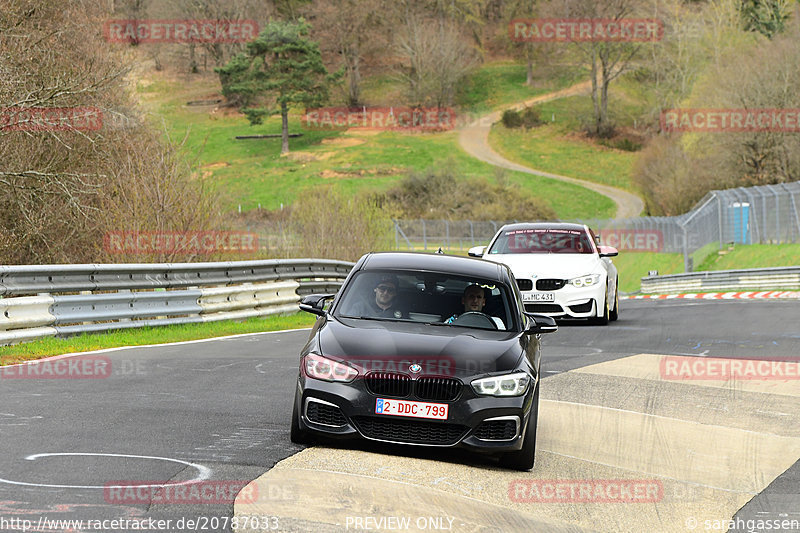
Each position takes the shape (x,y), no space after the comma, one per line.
(415,368)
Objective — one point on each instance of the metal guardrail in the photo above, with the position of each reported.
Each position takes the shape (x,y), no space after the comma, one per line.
(104,297)
(752,278)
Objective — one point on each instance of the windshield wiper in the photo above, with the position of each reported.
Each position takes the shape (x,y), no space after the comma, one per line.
(378,318)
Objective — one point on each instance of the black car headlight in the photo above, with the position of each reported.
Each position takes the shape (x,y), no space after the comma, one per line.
(507,385)
(319,367)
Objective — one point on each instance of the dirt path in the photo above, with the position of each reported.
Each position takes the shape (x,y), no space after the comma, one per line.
(474,139)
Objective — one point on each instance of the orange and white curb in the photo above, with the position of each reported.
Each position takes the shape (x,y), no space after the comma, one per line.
(717,296)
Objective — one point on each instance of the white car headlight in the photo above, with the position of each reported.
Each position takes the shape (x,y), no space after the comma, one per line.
(319,367)
(507,385)
(585,281)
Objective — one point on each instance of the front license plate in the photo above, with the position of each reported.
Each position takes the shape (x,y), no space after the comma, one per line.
(539,297)
(437,411)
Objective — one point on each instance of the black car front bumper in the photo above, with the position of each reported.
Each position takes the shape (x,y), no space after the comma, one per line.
(479,423)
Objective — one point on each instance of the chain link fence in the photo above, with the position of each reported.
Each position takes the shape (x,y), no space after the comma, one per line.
(766,214)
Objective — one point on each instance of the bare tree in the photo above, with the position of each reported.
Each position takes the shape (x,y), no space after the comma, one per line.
(351,29)
(436,59)
(608,59)
(60,178)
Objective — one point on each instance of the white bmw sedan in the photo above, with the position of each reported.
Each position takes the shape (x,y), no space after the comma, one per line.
(560,268)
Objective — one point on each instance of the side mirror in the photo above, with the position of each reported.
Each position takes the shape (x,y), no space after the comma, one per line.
(540,324)
(608,251)
(476,251)
(315,303)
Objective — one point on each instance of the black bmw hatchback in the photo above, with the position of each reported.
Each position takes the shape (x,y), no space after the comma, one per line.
(423,349)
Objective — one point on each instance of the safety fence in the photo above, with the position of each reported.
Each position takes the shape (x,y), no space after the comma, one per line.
(766,214)
(62,300)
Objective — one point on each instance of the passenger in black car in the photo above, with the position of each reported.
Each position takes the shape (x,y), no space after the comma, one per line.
(384,304)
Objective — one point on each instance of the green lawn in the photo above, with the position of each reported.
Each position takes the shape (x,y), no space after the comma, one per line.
(499,84)
(559,147)
(250,172)
(753,256)
(545,148)
(633,266)
(144,336)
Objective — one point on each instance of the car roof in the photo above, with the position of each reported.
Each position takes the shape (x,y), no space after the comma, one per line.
(466,266)
(543,225)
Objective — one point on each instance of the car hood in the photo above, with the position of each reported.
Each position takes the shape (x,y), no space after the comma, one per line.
(439,350)
(534,266)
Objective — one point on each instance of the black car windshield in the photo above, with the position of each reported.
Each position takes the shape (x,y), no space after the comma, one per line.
(542,241)
(437,299)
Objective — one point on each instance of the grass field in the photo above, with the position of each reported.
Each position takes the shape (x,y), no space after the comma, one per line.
(753,256)
(145,336)
(557,147)
(249,173)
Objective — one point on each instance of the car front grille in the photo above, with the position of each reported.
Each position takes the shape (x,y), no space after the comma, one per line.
(543,308)
(321,413)
(409,431)
(388,384)
(401,385)
(497,430)
(437,389)
(547,284)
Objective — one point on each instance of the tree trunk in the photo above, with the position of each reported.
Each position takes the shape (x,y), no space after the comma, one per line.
(529,65)
(284,128)
(595,101)
(354,76)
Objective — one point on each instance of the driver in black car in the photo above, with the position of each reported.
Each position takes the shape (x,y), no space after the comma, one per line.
(384,304)
(474,300)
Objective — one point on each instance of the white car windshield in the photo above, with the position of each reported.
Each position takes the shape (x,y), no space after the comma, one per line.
(542,241)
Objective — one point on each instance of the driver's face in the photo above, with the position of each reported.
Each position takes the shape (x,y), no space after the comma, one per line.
(384,295)
(474,299)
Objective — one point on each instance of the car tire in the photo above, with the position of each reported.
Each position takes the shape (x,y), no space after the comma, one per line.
(614,313)
(524,458)
(296,434)
(606,316)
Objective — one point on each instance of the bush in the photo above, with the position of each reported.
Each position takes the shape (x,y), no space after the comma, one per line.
(531,118)
(327,224)
(528,118)
(439,194)
(511,118)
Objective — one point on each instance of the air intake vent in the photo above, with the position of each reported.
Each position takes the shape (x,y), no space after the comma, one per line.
(322,413)
(497,430)
(410,432)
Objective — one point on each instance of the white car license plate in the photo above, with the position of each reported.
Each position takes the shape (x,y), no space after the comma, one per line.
(539,297)
(437,411)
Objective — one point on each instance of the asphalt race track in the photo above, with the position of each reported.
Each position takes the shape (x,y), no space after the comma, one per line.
(625,443)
